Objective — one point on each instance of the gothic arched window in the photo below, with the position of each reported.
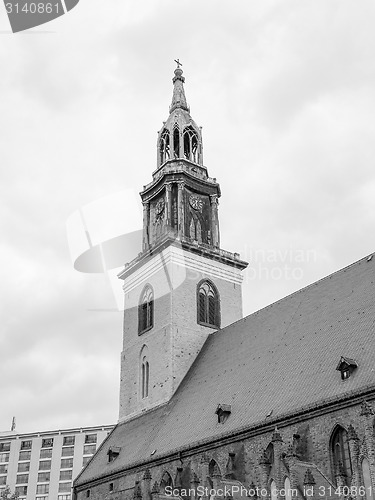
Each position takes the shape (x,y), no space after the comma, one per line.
(208,303)
(340,454)
(176,142)
(191,144)
(165,153)
(166,480)
(146,310)
(213,468)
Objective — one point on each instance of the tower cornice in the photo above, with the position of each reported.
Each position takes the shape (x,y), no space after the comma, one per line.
(215,254)
(178,171)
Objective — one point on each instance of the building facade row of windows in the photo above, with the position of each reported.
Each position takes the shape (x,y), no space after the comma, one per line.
(43,489)
(48,443)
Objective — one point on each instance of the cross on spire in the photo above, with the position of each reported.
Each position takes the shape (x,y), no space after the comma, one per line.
(177,61)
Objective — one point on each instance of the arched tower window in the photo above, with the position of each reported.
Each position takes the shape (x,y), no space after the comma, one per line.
(146,310)
(191,144)
(176,142)
(340,453)
(208,303)
(144,381)
(165,152)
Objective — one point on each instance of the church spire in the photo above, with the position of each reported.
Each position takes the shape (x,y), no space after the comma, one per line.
(178,98)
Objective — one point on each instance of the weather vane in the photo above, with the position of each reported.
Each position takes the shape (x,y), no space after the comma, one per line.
(178,63)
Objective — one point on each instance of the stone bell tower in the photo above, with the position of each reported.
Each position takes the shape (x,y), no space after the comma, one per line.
(182,287)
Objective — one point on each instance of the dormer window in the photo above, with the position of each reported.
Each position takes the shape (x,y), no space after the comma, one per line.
(223,411)
(346,366)
(113,453)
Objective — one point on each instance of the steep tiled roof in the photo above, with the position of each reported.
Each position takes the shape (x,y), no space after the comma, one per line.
(282,359)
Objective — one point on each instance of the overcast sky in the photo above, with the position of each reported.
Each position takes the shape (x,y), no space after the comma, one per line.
(284,91)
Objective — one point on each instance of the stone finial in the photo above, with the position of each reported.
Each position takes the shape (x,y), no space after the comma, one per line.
(147,475)
(309,478)
(352,435)
(366,409)
(137,491)
(155,488)
(276,436)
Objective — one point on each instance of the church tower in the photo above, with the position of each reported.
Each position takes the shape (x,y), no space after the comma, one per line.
(182,286)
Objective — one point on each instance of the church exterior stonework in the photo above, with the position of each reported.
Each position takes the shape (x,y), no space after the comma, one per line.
(276,405)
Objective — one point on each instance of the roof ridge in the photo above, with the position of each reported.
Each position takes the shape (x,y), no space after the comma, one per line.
(310,285)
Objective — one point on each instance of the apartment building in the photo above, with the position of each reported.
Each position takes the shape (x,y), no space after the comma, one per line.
(42,465)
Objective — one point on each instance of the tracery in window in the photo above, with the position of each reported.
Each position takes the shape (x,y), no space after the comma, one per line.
(190,144)
(146,310)
(208,304)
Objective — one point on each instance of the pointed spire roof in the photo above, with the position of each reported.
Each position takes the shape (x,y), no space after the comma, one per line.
(178,98)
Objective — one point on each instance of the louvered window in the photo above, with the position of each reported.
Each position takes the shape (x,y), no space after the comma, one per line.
(208,305)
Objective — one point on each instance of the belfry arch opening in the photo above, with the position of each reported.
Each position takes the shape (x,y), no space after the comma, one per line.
(191,144)
(164,147)
(176,142)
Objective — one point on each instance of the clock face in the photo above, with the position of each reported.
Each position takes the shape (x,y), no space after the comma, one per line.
(196,202)
(160,206)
